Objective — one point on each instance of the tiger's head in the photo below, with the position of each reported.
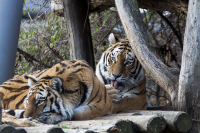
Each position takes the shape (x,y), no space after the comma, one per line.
(44,99)
(119,66)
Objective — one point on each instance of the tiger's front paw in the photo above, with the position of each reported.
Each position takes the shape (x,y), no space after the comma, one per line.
(113,93)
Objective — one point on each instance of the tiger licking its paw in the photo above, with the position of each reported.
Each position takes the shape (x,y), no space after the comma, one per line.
(120,70)
(68,90)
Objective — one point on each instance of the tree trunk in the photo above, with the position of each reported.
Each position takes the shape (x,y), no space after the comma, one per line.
(144,49)
(189,82)
(77,18)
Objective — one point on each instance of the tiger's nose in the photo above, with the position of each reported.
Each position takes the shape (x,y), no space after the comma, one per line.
(116,76)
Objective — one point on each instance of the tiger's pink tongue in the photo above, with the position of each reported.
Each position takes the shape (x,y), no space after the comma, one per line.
(115,84)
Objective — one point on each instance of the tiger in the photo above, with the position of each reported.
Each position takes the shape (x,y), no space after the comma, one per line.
(120,68)
(69,90)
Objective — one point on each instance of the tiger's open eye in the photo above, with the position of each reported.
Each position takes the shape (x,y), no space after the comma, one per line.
(113,59)
(128,63)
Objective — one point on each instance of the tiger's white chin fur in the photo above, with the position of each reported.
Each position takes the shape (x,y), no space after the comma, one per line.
(53,118)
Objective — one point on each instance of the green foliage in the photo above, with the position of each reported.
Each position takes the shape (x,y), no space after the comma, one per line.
(146,18)
(46,41)
(24,12)
(65,127)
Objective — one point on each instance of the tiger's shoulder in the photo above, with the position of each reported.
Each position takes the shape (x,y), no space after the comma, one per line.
(120,68)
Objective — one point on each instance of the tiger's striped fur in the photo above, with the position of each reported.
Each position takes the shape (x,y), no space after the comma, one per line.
(120,68)
(68,90)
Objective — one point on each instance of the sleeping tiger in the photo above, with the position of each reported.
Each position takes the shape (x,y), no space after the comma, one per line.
(68,90)
(120,68)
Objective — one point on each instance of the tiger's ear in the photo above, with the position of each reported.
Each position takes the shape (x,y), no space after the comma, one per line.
(112,39)
(32,80)
(56,84)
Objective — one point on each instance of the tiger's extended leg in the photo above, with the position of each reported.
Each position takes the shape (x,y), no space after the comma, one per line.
(18,113)
(126,101)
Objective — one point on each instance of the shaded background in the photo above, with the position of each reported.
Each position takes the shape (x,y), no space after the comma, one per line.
(43,40)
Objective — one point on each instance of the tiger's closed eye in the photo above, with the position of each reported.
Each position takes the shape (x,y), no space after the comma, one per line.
(40,102)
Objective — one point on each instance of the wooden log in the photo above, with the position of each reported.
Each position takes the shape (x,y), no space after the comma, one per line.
(119,127)
(180,123)
(7,129)
(127,126)
(96,129)
(177,121)
(21,130)
(55,130)
(76,14)
(43,129)
(147,123)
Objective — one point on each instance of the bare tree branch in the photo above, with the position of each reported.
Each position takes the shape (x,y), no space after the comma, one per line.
(160,96)
(109,31)
(55,52)
(173,29)
(30,58)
